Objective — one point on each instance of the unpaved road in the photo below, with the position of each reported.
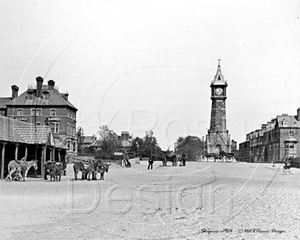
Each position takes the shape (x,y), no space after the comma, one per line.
(203,200)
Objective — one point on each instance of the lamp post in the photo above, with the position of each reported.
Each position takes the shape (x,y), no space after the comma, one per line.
(250,156)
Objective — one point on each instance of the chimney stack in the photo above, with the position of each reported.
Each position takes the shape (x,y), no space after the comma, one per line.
(15,90)
(51,84)
(39,86)
(65,96)
(298,114)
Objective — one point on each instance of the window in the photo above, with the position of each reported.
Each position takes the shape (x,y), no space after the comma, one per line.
(19,111)
(39,112)
(33,111)
(285,122)
(46,94)
(74,146)
(38,123)
(56,127)
(29,94)
(52,112)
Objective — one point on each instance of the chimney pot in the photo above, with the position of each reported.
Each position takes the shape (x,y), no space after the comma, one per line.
(51,84)
(15,90)
(39,86)
(298,114)
(65,96)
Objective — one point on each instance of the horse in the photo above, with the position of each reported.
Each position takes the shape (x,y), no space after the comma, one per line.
(79,167)
(55,170)
(172,158)
(102,168)
(98,167)
(92,167)
(211,155)
(19,167)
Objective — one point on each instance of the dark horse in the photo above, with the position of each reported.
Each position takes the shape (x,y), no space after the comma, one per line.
(55,170)
(90,168)
(172,158)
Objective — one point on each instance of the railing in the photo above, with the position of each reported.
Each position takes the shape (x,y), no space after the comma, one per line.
(33,86)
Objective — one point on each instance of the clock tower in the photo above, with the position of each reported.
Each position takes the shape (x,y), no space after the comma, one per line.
(218,138)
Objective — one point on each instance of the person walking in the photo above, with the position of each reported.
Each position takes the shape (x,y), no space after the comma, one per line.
(151,160)
(183,159)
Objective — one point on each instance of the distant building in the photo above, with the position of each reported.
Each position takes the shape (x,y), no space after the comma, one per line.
(125,139)
(44,105)
(89,141)
(5,100)
(267,144)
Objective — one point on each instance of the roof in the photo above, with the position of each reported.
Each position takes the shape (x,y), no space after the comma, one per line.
(15,131)
(55,99)
(189,140)
(219,78)
(290,139)
(4,101)
(287,121)
(88,139)
(61,143)
(97,143)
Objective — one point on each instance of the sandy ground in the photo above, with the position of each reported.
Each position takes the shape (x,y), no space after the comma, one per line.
(203,200)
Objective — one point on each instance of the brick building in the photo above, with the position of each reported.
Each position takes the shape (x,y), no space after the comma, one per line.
(44,105)
(267,144)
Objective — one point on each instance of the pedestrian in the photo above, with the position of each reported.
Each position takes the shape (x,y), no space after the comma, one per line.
(183,159)
(287,165)
(124,160)
(151,160)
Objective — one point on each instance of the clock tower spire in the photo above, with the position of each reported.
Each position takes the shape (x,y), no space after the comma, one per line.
(217,138)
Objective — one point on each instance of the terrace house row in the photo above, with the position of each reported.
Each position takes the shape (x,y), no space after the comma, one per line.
(267,143)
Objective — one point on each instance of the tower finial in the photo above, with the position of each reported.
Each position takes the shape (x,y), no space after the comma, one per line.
(219,60)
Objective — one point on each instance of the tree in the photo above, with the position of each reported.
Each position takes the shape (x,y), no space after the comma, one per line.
(136,144)
(80,139)
(191,146)
(108,139)
(150,144)
(145,146)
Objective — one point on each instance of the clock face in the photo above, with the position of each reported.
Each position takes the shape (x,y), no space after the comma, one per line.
(219,91)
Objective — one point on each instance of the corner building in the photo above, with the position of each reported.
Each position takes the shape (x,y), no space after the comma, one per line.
(45,105)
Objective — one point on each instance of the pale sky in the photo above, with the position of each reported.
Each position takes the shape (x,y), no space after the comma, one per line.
(140,65)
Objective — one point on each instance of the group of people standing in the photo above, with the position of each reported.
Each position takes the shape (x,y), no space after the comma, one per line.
(151,161)
(126,163)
